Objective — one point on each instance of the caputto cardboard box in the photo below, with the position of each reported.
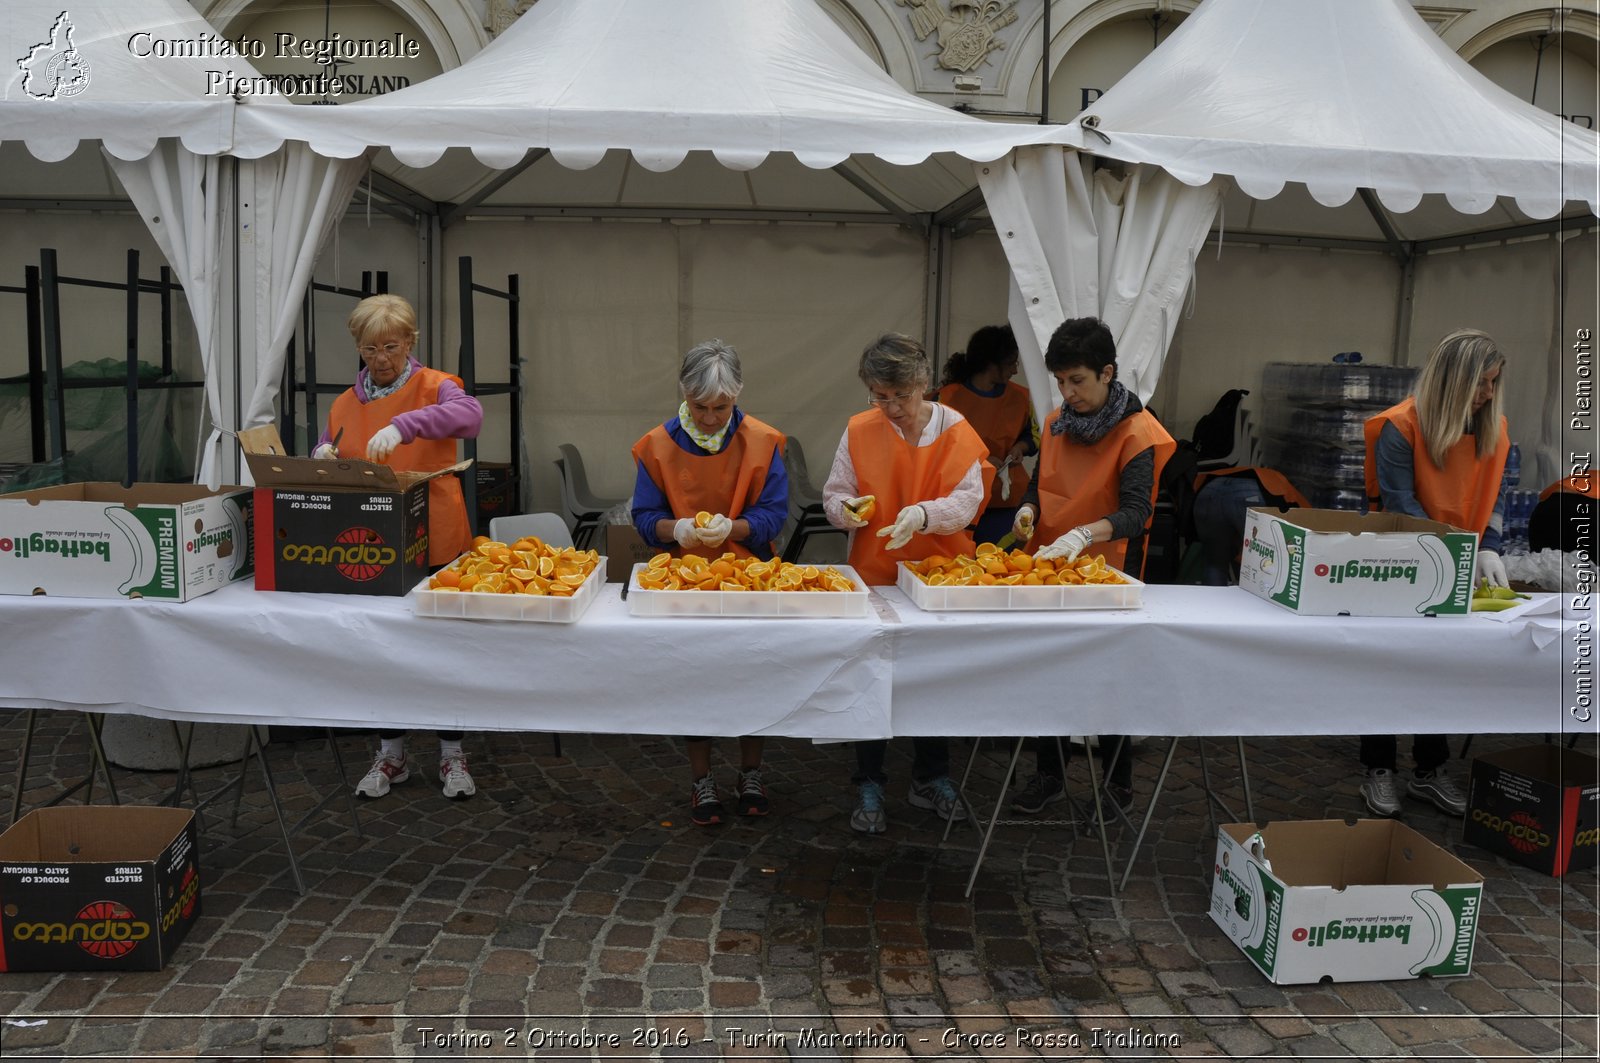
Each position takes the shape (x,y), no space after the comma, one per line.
(1363,901)
(97,888)
(344,526)
(1323,562)
(1537,805)
(624,549)
(497,491)
(103,540)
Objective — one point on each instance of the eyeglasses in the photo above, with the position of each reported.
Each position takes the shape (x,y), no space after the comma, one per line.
(389,350)
(899,399)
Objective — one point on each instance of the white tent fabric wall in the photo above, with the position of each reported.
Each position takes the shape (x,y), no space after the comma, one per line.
(1083,243)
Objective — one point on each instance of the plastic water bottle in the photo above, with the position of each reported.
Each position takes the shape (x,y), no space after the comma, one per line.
(1513,474)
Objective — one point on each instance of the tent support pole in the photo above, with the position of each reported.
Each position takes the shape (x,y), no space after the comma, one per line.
(936,306)
(1397,247)
(454,211)
(872,192)
(1402,311)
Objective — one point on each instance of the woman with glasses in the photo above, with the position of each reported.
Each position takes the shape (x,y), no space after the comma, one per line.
(404,415)
(713,458)
(977,382)
(908,478)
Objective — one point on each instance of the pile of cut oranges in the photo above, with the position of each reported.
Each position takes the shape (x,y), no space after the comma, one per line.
(527,566)
(993,567)
(691,572)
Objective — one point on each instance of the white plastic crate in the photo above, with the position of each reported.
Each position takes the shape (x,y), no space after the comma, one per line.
(539,608)
(1128,595)
(642,602)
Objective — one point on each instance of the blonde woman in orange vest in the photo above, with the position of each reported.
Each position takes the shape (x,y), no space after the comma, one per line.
(924,470)
(713,458)
(977,382)
(1100,462)
(404,415)
(1439,455)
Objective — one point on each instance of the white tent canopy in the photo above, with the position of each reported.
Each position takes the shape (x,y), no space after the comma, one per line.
(105,71)
(1338,95)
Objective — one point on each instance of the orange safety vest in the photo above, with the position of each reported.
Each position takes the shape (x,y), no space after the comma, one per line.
(1587,484)
(900,473)
(449,534)
(1272,482)
(1079,484)
(999,421)
(1461,494)
(725,482)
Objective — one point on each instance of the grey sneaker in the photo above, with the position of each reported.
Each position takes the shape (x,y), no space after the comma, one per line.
(386,772)
(869,817)
(941,796)
(1439,788)
(1041,790)
(458,784)
(1381,792)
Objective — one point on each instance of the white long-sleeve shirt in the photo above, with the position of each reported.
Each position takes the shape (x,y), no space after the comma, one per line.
(945,515)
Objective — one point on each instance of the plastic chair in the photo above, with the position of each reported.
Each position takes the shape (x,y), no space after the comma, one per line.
(550,528)
(588,511)
(805,503)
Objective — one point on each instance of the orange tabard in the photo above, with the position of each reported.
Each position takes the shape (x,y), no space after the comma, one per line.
(1272,482)
(725,482)
(1587,484)
(1080,484)
(999,422)
(901,473)
(1463,493)
(449,534)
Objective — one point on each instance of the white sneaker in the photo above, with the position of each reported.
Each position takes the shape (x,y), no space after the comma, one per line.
(1441,789)
(1381,792)
(386,772)
(457,780)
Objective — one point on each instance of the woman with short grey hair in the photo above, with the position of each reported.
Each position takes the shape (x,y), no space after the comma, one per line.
(907,479)
(710,480)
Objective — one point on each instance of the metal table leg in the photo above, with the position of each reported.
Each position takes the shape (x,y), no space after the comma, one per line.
(1212,800)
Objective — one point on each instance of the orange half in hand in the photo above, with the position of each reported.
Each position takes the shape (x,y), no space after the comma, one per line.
(701,519)
(862,510)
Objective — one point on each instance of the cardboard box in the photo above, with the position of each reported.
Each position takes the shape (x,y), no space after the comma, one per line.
(1326,562)
(1538,805)
(103,540)
(1353,902)
(624,549)
(497,492)
(346,526)
(97,888)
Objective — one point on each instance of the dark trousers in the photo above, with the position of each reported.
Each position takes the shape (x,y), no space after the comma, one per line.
(1120,772)
(1428,751)
(930,758)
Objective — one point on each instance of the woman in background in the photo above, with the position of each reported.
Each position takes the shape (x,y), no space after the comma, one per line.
(977,382)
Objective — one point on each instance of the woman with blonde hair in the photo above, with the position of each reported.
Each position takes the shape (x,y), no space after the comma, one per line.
(1439,455)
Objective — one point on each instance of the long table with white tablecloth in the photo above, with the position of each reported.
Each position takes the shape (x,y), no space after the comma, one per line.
(1192,660)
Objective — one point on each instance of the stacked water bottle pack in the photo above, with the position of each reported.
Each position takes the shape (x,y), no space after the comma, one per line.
(1516,506)
(1315,413)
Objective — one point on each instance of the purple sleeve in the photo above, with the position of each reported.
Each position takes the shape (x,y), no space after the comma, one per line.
(456,415)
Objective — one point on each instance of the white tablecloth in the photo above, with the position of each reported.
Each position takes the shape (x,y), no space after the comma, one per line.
(1193,660)
(238,655)
(1220,661)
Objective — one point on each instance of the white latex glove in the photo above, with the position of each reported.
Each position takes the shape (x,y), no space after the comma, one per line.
(1022,524)
(383,442)
(1491,568)
(686,533)
(911,520)
(849,518)
(1002,477)
(1069,546)
(716,533)
(325,452)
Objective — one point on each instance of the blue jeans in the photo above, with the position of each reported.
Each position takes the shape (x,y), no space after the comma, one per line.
(1219,513)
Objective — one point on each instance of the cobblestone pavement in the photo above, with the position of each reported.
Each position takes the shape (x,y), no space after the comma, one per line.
(570,910)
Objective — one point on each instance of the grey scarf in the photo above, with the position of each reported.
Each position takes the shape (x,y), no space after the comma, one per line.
(1089,428)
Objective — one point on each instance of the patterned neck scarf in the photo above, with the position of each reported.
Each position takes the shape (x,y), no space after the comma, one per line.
(373,391)
(1089,428)
(711,444)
